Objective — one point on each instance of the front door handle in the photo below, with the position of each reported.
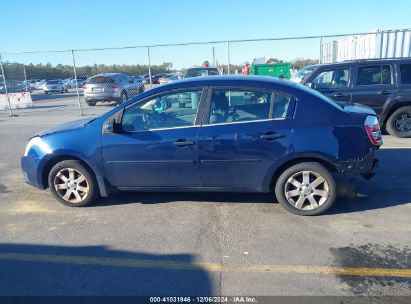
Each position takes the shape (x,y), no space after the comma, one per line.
(271,136)
(340,95)
(384,92)
(182,142)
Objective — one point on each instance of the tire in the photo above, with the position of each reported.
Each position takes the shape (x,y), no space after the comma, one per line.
(91,103)
(47,93)
(291,184)
(123,97)
(399,123)
(65,180)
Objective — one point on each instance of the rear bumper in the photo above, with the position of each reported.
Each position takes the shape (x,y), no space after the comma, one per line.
(364,166)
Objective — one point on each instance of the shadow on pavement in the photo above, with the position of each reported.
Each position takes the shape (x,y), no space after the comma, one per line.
(96,270)
(43,97)
(391,186)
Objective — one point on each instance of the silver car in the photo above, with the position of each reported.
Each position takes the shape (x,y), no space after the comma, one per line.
(108,87)
(54,86)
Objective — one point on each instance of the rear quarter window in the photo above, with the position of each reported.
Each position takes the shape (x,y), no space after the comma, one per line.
(405,70)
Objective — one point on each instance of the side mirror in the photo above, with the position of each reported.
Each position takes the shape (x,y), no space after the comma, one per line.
(310,85)
(108,128)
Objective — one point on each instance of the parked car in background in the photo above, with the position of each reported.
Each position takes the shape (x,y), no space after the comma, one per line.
(156,78)
(54,86)
(138,80)
(240,134)
(201,71)
(109,87)
(382,84)
(14,87)
(145,79)
(32,83)
(39,84)
(166,78)
(71,83)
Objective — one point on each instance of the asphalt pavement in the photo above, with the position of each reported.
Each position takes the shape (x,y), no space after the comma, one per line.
(197,243)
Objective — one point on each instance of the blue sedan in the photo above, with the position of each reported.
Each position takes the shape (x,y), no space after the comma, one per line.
(221,133)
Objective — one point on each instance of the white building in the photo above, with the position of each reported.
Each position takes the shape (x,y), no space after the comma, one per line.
(381,44)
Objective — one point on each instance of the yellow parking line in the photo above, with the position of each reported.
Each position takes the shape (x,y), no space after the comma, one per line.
(28,123)
(211,267)
(383,147)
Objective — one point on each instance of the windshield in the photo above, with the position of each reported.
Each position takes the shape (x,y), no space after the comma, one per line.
(302,74)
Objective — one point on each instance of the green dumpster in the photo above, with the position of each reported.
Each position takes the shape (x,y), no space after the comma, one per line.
(271,69)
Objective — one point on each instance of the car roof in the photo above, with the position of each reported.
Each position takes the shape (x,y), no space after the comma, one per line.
(361,61)
(202,68)
(233,80)
(108,74)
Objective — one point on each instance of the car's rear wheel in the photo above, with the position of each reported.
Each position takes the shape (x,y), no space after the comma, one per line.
(91,103)
(399,123)
(306,189)
(72,184)
(123,97)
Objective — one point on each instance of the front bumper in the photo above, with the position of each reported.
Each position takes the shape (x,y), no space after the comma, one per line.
(29,166)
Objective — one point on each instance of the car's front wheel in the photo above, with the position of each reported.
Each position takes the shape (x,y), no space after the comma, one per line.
(306,188)
(72,184)
(399,123)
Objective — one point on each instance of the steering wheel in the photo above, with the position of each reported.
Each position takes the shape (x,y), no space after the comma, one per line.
(149,120)
(232,112)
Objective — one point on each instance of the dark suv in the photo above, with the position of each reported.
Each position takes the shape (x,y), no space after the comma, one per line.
(382,84)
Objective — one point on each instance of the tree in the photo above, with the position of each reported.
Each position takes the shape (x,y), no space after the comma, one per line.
(299,63)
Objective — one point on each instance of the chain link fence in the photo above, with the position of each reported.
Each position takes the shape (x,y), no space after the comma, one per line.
(54,80)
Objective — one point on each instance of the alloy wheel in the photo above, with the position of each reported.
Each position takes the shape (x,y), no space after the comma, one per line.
(403,122)
(71,185)
(306,190)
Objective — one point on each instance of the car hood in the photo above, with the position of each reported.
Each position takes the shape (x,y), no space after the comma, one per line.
(357,108)
(65,127)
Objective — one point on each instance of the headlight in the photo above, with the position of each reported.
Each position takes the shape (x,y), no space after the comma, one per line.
(37,141)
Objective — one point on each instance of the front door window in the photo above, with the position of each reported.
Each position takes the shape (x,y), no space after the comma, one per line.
(164,112)
(337,78)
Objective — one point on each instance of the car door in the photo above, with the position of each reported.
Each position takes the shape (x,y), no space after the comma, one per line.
(334,83)
(373,85)
(244,132)
(131,85)
(155,143)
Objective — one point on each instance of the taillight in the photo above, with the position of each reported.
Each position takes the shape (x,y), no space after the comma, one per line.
(372,128)
(113,86)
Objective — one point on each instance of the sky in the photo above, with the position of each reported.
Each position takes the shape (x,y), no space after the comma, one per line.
(75,24)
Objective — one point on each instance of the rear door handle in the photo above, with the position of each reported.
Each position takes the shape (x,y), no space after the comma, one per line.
(384,92)
(183,142)
(271,136)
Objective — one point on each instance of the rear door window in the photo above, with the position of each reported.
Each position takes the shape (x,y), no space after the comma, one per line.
(405,70)
(374,75)
(238,105)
